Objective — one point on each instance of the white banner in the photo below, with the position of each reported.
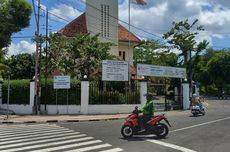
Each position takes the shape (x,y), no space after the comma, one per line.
(160,71)
(61,82)
(115,70)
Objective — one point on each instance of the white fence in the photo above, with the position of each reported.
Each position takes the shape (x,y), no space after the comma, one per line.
(83,108)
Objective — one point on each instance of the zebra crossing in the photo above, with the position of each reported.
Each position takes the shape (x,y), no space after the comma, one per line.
(48,138)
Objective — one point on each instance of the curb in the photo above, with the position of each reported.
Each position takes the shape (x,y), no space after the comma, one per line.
(57,121)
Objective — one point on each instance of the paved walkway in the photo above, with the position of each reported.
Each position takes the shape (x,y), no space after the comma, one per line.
(69,118)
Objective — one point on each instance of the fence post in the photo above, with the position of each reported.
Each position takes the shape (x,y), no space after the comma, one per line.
(0,93)
(143,91)
(32,85)
(84,96)
(186,101)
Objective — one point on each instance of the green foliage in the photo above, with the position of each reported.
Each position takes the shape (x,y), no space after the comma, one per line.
(212,70)
(19,91)
(14,15)
(114,97)
(77,55)
(219,69)
(74,93)
(21,66)
(153,52)
(182,37)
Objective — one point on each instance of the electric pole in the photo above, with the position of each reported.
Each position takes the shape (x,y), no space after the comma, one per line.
(46,51)
(37,38)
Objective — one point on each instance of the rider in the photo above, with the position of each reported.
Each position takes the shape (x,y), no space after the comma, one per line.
(148,110)
(200,104)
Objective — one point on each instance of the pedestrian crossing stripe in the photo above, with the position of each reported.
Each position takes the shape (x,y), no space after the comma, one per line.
(48,137)
(38,138)
(29,135)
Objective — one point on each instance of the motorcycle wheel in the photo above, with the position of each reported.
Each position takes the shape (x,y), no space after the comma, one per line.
(127,131)
(162,131)
(195,114)
(203,112)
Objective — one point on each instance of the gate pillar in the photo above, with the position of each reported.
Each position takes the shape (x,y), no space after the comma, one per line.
(84,96)
(186,101)
(143,91)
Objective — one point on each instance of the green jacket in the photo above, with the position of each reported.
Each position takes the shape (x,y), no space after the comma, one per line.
(149,108)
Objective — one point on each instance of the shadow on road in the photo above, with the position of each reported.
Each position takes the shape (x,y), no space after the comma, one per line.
(142,138)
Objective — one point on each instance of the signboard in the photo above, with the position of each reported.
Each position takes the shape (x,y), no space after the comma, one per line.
(61,82)
(115,70)
(160,71)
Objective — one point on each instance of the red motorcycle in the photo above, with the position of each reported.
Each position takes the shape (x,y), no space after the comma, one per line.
(131,126)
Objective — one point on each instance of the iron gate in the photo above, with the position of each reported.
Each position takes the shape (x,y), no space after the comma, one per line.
(164,97)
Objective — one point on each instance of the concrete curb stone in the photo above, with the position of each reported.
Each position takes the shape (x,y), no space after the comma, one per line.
(30,119)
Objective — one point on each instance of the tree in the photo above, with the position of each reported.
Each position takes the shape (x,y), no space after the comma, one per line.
(153,52)
(79,55)
(21,66)
(14,15)
(182,37)
(219,69)
(200,68)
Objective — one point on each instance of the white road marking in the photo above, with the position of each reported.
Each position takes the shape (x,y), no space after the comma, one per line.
(37,138)
(44,133)
(29,130)
(40,141)
(46,145)
(45,137)
(26,126)
(68,146)
(31,133)
(202,124)
(179,148)
(90,148)
(112,150)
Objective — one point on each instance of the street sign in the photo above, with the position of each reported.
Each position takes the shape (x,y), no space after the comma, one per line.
(115,70)
(61,82)
(160,71)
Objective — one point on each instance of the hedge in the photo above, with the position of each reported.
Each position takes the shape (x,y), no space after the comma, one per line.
(19,91)
(114,97)
(74,93)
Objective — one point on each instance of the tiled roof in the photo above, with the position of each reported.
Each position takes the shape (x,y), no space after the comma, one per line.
(124,35)
(78,25)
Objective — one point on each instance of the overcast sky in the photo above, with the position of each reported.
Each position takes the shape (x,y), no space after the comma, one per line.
(151,20)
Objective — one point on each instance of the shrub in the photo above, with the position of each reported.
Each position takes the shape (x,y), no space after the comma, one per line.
(114,97)
(19,91)
(74,93)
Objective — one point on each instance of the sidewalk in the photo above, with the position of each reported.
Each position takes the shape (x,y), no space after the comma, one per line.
(70,118)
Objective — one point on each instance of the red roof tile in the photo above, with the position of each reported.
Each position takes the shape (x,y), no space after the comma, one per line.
(78,25)
(124,35)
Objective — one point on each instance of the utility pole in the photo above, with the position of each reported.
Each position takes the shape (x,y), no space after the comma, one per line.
(46,51)
(37,37)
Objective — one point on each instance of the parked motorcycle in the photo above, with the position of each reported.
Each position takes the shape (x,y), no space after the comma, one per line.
(197,110)
(155,126)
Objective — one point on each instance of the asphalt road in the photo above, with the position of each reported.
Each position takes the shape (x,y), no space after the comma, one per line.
(209,133)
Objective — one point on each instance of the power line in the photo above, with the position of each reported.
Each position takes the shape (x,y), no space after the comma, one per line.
(21,37)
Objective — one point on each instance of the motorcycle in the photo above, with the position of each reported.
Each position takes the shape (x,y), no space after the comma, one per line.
(131,126)
(197,110)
